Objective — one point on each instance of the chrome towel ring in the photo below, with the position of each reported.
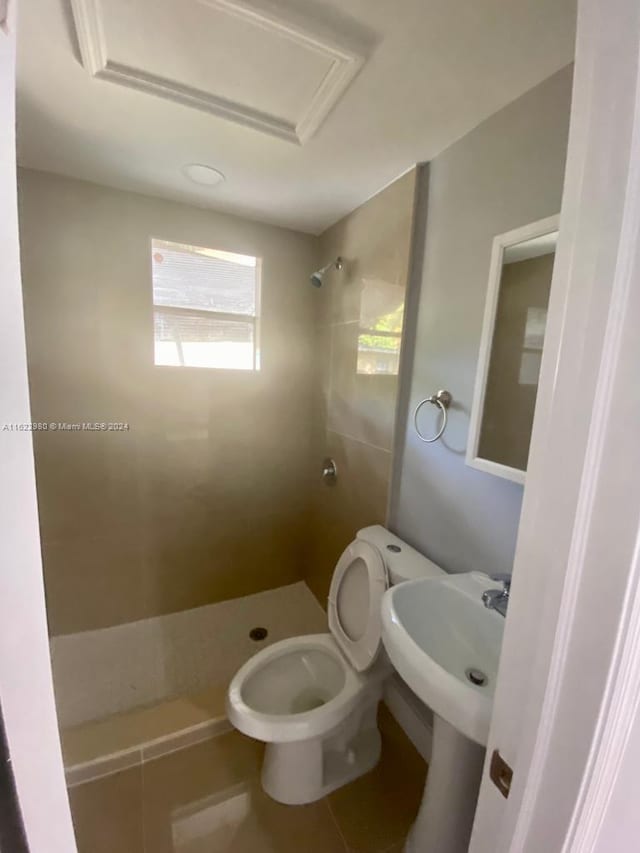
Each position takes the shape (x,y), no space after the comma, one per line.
(443,400)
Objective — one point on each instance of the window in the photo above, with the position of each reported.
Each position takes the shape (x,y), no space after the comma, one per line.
(381,318)
(206,307)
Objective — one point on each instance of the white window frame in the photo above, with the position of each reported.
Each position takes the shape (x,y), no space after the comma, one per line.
(253,319)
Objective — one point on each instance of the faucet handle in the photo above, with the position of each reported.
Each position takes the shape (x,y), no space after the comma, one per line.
(504,578)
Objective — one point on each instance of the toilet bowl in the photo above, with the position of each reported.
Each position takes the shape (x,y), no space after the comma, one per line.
(313,699)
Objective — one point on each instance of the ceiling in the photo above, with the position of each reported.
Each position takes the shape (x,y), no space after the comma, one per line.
(308,107)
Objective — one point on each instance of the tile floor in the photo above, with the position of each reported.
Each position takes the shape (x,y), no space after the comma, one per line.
(207,799)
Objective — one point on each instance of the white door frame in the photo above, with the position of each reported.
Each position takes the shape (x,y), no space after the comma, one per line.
(568,694)
(26,688)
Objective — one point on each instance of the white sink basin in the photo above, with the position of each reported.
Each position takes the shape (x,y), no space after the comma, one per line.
(436,630)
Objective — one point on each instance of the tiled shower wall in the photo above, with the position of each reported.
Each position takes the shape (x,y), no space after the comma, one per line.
(214,492)
(357,378)
(205,498)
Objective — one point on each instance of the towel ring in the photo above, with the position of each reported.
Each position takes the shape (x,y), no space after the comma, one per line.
(443,400)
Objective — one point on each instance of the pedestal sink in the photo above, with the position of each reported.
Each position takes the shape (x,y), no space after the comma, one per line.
(445,644)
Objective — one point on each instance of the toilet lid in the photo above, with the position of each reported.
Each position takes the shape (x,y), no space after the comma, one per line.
(358,584)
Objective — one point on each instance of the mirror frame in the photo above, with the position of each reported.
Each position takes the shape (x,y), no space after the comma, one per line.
(500,243)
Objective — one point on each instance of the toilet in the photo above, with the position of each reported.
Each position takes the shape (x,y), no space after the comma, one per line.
(313,699)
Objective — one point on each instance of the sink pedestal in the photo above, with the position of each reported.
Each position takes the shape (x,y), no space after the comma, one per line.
(437,631)
(444,822)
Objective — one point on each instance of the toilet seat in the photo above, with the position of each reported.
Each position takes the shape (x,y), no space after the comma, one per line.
(274,725)
(313,700)
(354,607)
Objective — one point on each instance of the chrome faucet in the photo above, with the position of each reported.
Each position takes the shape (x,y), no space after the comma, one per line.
(498,599)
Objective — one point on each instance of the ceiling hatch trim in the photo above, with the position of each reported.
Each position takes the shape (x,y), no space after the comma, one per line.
(346,54)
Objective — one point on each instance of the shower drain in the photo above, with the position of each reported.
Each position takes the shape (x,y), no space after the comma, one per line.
(476,676)
(258,634)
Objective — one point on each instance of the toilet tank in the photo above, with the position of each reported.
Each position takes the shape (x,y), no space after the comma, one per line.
(403,563)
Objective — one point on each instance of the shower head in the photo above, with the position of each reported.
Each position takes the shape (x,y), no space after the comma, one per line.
(318,275)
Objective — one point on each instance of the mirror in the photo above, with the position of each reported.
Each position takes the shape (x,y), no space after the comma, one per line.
(511,349)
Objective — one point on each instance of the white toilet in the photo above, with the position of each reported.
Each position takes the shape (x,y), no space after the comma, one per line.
(314,699)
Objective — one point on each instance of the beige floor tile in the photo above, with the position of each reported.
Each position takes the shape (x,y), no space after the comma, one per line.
(184,788)
(273,828)
(107,813)
(377,810)
(208,799)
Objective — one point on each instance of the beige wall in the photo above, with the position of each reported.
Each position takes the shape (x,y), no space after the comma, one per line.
(355,411)
(205,498)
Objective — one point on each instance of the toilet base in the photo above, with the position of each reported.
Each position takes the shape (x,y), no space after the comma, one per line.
(305,771)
